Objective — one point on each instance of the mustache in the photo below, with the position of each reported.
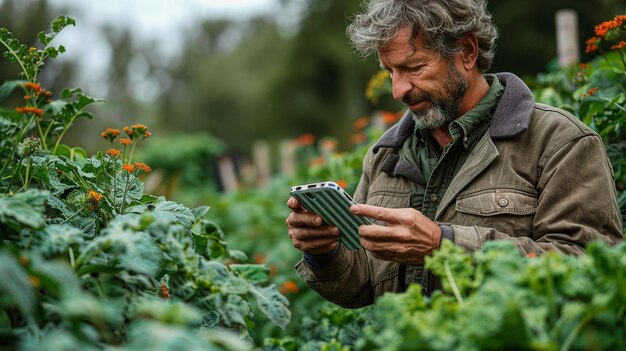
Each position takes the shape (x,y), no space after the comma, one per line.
(412,98)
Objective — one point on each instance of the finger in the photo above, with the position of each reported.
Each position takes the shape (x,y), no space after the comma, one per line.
(296,219)
(307,233)
(317,247)
(295,205)
(388,215)
(379,233)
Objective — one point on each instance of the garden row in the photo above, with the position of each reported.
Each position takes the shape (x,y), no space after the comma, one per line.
(89,261)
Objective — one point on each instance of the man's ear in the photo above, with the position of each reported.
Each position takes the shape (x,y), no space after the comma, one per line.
(469,51)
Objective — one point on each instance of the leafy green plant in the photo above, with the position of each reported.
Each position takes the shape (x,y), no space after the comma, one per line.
(505,301)
(88,260)
(596,92)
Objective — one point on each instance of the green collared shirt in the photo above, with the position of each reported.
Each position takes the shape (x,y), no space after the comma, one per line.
(439,166)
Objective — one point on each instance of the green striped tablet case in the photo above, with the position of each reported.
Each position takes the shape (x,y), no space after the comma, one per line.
(331,202)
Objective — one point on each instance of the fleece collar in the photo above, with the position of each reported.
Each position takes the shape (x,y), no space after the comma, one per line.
(510,119)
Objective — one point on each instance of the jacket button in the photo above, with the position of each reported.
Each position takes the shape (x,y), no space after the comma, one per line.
(503,202)
(433,197)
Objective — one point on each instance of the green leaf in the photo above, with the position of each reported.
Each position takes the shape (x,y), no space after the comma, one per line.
(273,304)
(15,284)
(58,238)
(168,312)
(169,209)
(251,272)
(7,88)
(198,212)
(26,208)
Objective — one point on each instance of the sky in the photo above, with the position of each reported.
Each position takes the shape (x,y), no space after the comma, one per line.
(162,21)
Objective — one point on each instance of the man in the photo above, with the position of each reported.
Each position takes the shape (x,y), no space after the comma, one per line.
(473,159)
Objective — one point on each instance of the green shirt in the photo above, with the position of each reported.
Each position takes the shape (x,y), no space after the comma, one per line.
(439,166)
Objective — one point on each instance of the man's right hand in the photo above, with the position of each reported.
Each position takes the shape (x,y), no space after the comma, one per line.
(307,232)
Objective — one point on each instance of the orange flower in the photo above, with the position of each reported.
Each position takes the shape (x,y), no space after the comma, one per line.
(306,139)
(342,183)
(603,28)
(27,109)
(592,44)
(165,292)
(128,167)
(44,93)
(26,97)
(531,254)
(318,161)
(110,134)
(142,167)
(619,46)
(34,281)
(358,138)
(137,130)
(114,152)
(259,258)
(328,144)
(390,117)
(32,86)
(361,123)
(125,141)
(288,287)
(592,91)
(94,196)
(139,126)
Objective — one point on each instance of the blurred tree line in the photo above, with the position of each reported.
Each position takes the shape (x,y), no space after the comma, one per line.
(243,81)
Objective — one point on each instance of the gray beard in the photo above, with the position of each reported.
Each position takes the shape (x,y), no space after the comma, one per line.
(443,110)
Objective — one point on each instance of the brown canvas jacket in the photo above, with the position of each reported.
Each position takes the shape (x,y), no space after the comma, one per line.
(539,178)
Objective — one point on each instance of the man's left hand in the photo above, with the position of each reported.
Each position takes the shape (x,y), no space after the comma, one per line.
(407,238)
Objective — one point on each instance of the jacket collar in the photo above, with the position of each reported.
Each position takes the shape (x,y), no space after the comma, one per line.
(510,119)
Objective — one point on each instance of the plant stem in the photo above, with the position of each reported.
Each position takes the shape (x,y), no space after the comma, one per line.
(71,254)
(132,151)
(72,216)
(574,333)
(455,288)
(67,126)
(26,180)
(19,138)
(125,192)
(6,191)
(17,58)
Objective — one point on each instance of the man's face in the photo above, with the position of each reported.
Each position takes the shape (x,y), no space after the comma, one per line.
(431,86)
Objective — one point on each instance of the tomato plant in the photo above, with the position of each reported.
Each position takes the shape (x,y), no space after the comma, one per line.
(88,259)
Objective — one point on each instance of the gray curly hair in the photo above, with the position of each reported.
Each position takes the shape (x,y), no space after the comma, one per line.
(441,22)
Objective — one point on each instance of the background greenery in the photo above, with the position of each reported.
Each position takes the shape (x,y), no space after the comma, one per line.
(218,88)
(275,82)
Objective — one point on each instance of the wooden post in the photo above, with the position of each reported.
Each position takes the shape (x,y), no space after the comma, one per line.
(567,37)
(287,157)
(261,159)
(228,175)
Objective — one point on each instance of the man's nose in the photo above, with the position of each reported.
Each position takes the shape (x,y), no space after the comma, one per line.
(400,86)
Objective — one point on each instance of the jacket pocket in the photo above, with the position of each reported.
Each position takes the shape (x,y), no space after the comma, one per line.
(498,201)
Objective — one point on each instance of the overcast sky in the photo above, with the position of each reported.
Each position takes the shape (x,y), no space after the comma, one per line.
(162,20)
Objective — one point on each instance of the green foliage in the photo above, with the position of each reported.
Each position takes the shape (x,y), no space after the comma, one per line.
(512,302)
(88,260)
(596,93)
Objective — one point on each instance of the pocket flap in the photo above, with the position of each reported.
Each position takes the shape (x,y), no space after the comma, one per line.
(492,202)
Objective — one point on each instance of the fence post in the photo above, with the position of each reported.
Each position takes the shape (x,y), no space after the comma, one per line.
(261,157)
(228,174)
(567,37)
(287,157)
